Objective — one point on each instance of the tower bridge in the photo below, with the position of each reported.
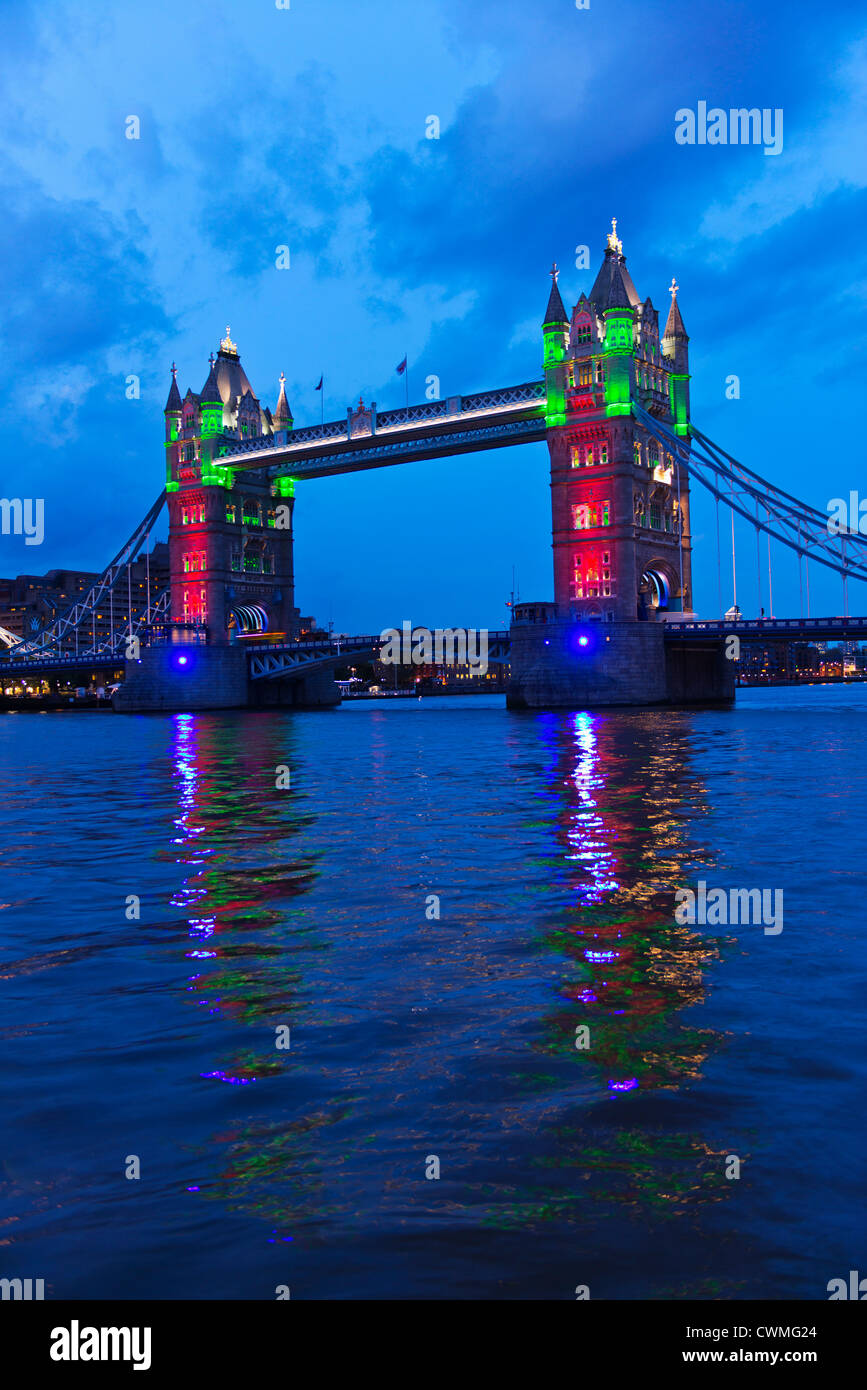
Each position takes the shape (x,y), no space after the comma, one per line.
(612,404)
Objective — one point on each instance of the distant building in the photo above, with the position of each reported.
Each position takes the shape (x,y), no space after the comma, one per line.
(29,601)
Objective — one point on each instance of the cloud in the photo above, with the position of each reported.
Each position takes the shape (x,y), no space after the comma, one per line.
(825,153)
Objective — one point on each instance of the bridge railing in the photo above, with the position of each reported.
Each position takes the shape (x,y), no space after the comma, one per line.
(770,625)
(451,408)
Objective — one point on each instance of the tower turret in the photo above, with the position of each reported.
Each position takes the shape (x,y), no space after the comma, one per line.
(174,407)
(555,335)
(211,403)
(282,415)
(675,348)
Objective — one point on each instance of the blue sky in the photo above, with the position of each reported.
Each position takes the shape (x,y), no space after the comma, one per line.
(305,127)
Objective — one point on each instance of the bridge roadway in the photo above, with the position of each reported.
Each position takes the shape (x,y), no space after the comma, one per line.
(760,630)
(269,661)
(375,439)
(284,659)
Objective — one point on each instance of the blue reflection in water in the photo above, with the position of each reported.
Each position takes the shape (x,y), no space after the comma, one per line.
(586,831)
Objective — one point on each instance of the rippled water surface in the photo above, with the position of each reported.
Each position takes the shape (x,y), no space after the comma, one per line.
(554,844)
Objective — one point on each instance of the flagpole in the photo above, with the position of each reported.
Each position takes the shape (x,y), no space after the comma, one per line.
(323,397)
(406,382)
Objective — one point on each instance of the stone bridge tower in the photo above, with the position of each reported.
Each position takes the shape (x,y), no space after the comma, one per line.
(620,503)
(230,534)
(620,512)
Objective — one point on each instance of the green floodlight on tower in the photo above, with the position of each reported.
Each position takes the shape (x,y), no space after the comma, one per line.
(555,331)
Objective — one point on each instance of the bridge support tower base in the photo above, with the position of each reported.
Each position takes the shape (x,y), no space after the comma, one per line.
(562,664)
(184,677)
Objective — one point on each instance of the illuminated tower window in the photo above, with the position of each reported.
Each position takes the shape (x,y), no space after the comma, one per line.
(585,374)
(576,587)
(231,514)
(576,455)
(580,516)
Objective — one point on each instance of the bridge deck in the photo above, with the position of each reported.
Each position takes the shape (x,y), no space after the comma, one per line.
(774,629)
(271,659)
(488,420)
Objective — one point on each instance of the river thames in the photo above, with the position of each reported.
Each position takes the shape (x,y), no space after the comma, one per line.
(167,909)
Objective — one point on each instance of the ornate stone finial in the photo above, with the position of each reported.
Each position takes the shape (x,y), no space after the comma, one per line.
(614,242)
(360,403)
(554,272)
(282,380)
(174,371)
(226,343)
(211,358)
(673,288)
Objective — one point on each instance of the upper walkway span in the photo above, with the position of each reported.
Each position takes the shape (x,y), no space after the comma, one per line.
(368,438)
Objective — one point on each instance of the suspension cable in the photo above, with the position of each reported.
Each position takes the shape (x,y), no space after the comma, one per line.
(759,561)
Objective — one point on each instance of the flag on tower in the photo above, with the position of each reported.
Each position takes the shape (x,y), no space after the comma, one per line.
(401,367)
(319,387)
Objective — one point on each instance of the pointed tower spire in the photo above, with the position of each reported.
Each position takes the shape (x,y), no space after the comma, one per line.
(555,313)
(210,392)
(613,287)
(674,323)
(675,349)
(174,403)
(283,415)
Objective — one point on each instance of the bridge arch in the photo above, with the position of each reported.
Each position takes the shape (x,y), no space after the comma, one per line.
(245,619)
(657,586)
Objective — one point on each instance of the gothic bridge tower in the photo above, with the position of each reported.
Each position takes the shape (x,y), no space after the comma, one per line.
(620,501)
(230,537)
(620,512)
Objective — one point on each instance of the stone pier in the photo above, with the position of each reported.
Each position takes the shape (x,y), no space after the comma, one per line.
(563,664)
(184,676)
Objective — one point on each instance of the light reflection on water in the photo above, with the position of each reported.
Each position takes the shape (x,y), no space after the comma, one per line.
(555,844)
